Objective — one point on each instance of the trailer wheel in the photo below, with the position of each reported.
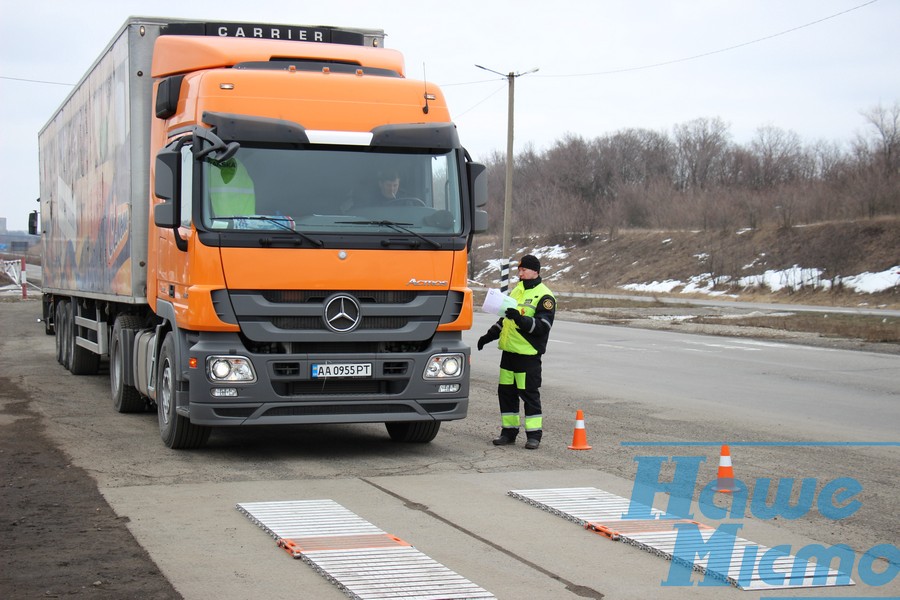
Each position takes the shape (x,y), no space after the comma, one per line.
(49,317)
(126,398)
(81,360)
(177,432)
(420,432)
(60,330)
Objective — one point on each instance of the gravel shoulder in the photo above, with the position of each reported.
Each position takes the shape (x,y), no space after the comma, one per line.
(58,536)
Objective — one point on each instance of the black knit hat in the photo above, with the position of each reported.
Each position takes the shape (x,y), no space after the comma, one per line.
(530,262)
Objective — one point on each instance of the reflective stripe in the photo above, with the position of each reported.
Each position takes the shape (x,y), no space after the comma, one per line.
(534,423)
(510,420)
(508,377)
(231,190)
(520,380)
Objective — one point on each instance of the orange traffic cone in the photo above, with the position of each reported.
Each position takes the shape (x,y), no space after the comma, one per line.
(726,472)
(579,438)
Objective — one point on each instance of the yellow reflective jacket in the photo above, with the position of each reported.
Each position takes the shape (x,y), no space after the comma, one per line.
(537,305)
(231,190)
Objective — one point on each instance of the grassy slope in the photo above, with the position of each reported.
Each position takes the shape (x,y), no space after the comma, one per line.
(640,256)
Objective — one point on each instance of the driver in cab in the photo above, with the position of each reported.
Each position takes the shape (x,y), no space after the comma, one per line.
(388,186)
(384,192)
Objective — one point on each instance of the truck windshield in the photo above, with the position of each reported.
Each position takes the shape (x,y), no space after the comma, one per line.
(334,191)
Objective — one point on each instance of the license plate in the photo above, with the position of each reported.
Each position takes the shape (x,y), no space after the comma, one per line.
(341,370)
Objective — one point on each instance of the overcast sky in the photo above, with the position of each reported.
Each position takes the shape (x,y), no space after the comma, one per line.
(605,65)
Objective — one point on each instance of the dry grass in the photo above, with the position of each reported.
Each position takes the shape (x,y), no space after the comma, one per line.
(600,263)
(624,310)
(883,330)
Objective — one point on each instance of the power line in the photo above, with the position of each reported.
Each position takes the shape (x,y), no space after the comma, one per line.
(720,50)
(36,81)
(483,100)
(610,72)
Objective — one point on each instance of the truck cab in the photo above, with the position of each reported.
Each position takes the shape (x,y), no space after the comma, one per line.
(287,289)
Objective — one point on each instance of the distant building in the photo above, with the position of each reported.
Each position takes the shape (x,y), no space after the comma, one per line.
(17,242)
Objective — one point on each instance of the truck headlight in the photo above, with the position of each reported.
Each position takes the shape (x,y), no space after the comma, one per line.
(444,366)
(229,369)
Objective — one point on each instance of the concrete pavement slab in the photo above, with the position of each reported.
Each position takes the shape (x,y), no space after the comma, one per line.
(467,522)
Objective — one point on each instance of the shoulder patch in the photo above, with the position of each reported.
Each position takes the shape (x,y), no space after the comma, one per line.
(548,304)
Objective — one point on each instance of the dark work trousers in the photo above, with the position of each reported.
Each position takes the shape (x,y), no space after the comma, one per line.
(520,378)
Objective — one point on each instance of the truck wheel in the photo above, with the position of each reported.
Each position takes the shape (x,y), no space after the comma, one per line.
(177,432)
(49,317)
(60,328)
(81,360)
(126,398)
(413,431)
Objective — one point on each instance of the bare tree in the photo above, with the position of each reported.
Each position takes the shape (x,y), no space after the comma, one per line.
(886,145)
(778,154)
(698,178)
(700,146)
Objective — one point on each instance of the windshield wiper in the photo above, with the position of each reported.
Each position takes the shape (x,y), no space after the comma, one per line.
(279,222)
(399,227)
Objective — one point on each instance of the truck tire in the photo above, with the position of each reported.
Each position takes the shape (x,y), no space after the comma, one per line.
(49,318)
(82,361)
(60,330)
(420,432)
(177,432)
(126,398)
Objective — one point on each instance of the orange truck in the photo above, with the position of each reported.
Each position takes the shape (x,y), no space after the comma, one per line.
(214,228)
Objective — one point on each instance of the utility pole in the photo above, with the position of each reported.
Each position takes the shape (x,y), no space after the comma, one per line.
(507,198)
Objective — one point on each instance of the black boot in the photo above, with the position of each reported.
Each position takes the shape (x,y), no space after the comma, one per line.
(506,437)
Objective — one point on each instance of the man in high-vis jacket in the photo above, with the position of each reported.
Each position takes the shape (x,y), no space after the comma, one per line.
(523,334)
(231,191)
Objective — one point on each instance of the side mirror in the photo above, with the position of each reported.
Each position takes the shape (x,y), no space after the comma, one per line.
(481,221)
(33,222)
(168,165)
(478,185)
(167,186)
(164,215)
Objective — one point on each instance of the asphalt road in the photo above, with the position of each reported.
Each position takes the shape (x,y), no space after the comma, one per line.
(793,391)
(448,498)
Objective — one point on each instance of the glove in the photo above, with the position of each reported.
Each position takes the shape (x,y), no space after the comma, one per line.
(513,314)
(482,341)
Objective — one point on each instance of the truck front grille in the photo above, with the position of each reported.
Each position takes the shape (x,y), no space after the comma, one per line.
(378,316)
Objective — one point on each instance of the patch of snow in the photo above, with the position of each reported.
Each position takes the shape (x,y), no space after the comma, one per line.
(869,283)
(671,317)
(657,286)
(556,252)
(559,272)
(794,278)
